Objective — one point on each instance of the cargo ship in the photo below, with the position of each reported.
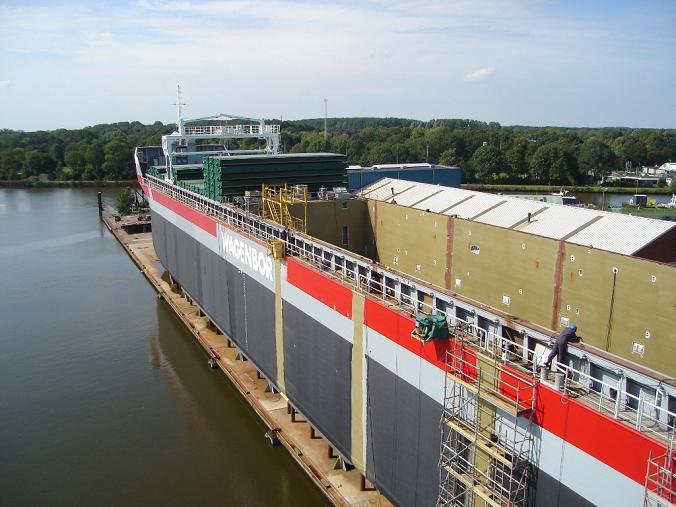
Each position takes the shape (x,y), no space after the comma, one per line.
(408,322)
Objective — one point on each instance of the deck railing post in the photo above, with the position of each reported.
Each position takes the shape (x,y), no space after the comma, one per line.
(616,414)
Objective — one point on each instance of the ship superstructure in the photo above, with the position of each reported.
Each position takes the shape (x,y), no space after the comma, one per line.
(335,319)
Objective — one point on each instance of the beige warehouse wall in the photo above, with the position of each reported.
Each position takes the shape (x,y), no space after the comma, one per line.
(490,263)
(486,263)
(641,304)
(326,219)
(410,240)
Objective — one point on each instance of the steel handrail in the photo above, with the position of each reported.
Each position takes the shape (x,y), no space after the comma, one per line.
(488,341)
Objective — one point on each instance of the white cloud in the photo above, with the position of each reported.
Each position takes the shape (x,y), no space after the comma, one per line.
(374,57)
(4,83)
(480,74)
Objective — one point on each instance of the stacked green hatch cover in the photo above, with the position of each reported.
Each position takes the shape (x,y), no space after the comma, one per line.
(232,176)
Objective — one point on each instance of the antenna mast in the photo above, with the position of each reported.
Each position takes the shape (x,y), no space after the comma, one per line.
(179,110)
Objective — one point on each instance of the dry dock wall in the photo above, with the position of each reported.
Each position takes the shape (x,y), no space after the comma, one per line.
(382,410)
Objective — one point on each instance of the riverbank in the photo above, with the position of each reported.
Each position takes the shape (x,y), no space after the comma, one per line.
(658,213)
(547,189)
(65,184)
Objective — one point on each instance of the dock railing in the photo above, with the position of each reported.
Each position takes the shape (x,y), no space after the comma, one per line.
(365,277)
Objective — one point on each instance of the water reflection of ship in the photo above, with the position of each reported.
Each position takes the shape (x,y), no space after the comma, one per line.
(168,355)
(212,411)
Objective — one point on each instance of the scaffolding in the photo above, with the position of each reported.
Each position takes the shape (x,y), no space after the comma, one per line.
(276,205)
(487,444)
(660,486)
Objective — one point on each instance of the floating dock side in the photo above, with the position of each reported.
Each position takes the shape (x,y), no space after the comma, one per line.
(311,452)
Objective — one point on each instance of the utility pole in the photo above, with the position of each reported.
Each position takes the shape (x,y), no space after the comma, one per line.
(326,112)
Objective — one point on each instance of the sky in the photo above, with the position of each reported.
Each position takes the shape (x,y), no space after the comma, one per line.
(576,63)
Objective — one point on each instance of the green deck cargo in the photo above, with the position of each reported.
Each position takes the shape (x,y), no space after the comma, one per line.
(188,172)
(226,177)
(431,326)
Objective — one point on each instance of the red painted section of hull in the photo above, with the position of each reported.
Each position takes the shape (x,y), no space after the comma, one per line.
(398,326)
(143,186)
(607,440)
(333,294)
(191,215)
(518,387)
(614,443)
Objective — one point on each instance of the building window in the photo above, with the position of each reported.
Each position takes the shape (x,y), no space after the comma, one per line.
(345,236)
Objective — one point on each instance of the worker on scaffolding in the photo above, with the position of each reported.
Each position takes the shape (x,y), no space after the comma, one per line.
(561,345)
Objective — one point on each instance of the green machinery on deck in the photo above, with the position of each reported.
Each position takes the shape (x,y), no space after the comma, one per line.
(430,326)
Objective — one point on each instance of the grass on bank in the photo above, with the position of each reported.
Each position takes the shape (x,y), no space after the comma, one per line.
(572,189)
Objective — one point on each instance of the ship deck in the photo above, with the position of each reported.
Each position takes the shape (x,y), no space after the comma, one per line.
(574,386)
(309,450)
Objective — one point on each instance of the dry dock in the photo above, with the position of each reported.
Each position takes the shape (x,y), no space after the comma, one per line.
(311,452)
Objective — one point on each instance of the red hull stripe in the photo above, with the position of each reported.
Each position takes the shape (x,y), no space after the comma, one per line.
(333,294)
(397,326)
(614,443)
(191,215)
(144,187)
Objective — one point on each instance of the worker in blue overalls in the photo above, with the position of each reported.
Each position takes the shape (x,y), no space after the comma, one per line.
(561,345)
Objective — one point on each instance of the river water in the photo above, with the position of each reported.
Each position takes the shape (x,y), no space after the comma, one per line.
(105,399)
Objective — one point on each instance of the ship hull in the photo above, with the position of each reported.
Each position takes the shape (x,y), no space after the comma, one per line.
(349,364)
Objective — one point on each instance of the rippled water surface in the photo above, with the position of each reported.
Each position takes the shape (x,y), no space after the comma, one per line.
(104,398)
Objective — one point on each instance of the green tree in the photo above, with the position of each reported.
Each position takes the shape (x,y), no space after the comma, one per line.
(75,160)
(56,151)
(553,163)
(124,201)
(519,155)
(94,157)
(451,158)
(596,158)
(11,162)
(488,162)
(36,163)
(118,161)
(630,150)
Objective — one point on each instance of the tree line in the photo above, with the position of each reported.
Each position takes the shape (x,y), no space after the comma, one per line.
(101,152)
(487,152)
